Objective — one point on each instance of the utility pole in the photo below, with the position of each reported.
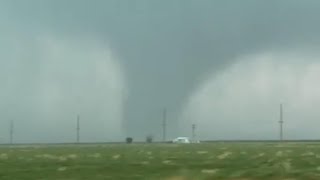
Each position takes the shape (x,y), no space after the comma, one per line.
(194,132)
(281,122)
(78,129)
(11,131)
(164,124)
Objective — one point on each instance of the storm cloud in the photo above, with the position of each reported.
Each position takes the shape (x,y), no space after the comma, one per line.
(126,60)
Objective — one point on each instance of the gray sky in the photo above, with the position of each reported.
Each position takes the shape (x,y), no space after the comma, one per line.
(225,65)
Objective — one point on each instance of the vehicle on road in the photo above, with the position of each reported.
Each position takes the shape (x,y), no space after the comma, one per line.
(182,140)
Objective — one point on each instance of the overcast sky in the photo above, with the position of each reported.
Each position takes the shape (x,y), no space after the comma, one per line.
(224,65)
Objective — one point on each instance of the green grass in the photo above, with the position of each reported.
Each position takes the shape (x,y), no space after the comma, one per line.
(236,161)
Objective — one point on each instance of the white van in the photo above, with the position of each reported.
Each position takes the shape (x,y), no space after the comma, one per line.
(182,140)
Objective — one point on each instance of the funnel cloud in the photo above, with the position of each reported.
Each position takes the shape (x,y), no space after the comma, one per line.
(119,63)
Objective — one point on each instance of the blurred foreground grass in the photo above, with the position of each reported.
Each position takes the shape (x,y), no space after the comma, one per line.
(237,161)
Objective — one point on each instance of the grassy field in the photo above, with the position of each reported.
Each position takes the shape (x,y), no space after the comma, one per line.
(236,161)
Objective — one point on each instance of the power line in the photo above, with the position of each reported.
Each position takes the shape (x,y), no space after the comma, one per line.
(11,131)
(164,124)
(78,129)
(281,122)
(193,132)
